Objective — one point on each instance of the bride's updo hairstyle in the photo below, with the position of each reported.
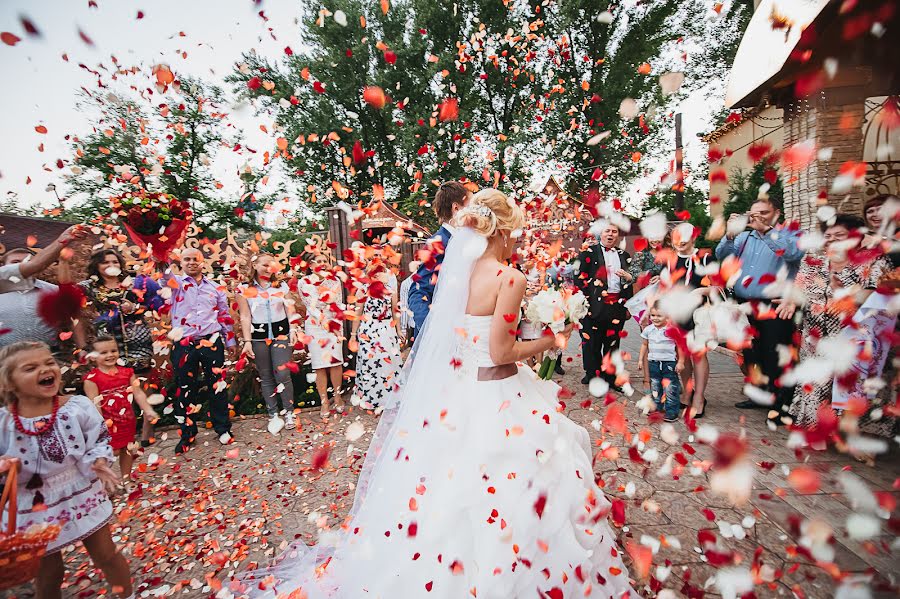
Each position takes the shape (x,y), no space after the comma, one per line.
(490,211)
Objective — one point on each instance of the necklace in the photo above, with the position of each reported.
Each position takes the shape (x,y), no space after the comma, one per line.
(44,428)
(36,483)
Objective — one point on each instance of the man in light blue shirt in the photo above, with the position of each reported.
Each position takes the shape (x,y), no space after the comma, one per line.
(764,250)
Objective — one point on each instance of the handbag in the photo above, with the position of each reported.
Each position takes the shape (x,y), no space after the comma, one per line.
(719,322)
(20,551)
(638,303)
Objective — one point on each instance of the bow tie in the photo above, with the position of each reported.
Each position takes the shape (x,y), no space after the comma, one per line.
(606,249)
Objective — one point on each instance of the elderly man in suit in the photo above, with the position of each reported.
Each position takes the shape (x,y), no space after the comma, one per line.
(602,274)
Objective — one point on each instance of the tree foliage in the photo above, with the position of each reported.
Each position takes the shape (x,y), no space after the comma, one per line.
(532,81)
(744,186)
(168,148)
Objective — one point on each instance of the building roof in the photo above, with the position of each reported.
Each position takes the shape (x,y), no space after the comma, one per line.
(15,231)
(382,215)
(767,44)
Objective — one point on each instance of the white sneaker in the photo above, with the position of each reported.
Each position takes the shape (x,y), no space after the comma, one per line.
(289,422)
(275,425)
(226,439)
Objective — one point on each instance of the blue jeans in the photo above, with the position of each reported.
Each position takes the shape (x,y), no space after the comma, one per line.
(667,395)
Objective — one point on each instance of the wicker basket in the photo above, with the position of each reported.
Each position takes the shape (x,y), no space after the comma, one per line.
(20,551)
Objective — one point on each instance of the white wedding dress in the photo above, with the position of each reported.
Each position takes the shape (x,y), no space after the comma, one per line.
(470,488)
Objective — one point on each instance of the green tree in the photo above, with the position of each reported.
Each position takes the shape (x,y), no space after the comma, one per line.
(169,149)
(457,87)
(744,186)
(609,111)
(695,202)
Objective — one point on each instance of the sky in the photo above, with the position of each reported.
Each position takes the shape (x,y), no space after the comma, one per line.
(43,88)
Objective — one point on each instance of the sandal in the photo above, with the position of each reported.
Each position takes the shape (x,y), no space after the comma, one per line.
(325,408)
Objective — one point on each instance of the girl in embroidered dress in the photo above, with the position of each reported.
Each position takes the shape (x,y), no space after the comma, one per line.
(111,387)
(62,445)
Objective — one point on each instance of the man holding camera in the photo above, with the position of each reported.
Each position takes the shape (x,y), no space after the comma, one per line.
(765,248)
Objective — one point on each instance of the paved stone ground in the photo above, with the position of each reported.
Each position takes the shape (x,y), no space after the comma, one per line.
(190,522)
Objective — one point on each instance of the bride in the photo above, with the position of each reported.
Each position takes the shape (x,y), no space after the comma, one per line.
(474,485)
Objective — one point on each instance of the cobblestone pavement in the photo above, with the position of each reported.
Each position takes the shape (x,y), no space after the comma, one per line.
(192,521)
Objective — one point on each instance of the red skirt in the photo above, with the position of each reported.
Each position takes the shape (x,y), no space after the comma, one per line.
(120,420)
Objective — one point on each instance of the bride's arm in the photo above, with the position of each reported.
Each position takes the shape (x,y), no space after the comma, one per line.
(505,349)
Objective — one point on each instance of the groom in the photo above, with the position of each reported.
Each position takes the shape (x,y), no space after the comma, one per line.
(450,198)
(602,275)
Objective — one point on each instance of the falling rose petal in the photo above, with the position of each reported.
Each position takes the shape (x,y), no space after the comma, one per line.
(799,156)
(374,96)
(41,129)
(628,109)
(340,17)
(671,82)
(540,504)
(320,458)
(598,138)
(355,431)
(733,582)
(641,557)
(9,39)
(29,27)
(85,38)
(449,110)
(805,480)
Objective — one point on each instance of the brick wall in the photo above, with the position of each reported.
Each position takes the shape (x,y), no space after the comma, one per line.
(838,127)
(801,189)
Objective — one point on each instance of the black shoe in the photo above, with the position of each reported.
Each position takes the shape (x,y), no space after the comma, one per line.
(145,443)
(559,369)
(586,380)
(749,405)
(182,447)
(699,416)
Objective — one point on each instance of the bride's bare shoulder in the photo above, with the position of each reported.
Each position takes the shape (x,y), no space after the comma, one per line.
(512,278)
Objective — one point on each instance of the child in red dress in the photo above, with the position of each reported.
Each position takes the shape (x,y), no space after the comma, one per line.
(111,387)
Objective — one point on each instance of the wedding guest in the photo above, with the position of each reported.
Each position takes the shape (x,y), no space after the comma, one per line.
(406,316)
(20,290)
(449,199)
(767,248)
(322,304)
(269,329)
(690,268)
(662,362)
(603,277)
(646,265)
(112,388)
(376,331)
(60,444)
(121,305)
(882,231)
(198,309)
(834,286)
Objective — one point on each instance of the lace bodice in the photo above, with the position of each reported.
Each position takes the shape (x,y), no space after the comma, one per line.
(475,347)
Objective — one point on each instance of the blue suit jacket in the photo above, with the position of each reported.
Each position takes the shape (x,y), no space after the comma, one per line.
(422,290)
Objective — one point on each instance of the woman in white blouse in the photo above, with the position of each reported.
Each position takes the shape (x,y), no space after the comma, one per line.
(268,323)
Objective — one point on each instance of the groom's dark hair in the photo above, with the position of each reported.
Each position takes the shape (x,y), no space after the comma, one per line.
(448,194)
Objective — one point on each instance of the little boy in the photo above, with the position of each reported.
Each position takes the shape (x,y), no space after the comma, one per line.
(661,362)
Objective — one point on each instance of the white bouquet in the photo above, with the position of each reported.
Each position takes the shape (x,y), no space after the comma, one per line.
(555,308)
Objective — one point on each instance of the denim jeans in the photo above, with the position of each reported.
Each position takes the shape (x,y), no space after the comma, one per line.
(665,385)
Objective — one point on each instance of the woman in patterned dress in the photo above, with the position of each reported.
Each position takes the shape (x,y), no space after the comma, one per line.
(376,330)
(121,303)
(826,280)
(320,293)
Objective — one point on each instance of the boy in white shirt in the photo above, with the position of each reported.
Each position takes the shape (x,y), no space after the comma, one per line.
(661,362)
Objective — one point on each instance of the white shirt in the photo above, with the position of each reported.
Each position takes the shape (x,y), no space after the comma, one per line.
(267,304)
(662,349)
(18,308)
(611,258)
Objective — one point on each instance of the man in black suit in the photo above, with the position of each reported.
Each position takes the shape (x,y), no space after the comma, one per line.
(602,274)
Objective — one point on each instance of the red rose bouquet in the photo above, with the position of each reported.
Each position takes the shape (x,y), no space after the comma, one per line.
(157,220)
